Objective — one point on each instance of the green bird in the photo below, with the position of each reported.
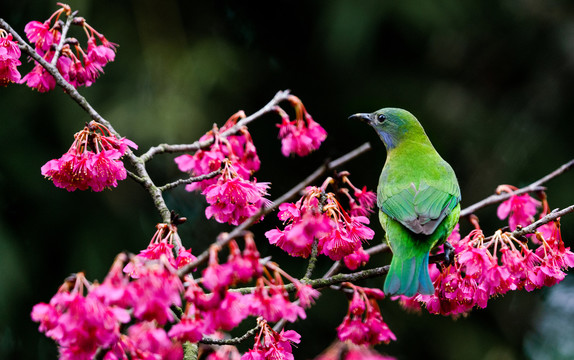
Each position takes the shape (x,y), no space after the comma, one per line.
(418,197)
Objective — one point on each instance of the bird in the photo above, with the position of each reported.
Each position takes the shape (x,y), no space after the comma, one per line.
(418,197)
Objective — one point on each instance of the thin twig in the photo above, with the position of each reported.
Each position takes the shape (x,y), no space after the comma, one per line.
(269,208)
(189,180)
(312,261)
(63,39)
(338,265)
(166,148)
(535,186)
(552,216)
(233,341)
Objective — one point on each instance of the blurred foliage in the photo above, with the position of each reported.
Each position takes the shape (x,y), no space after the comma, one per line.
(491,81)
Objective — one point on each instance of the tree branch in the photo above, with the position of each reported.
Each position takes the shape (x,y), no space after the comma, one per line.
(552,216)
(189,180)
(233,341)
(535,186)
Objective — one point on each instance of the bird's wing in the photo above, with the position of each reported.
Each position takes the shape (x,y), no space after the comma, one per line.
(420,208)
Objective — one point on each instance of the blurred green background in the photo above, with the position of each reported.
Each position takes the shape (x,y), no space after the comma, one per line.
(491,81)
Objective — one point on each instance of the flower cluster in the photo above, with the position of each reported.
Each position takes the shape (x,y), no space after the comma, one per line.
(9,59)
(232,196)
(519,209)
(302,135)
(363,324)
(237,149)
(271,345)
(93,160)
(319,215)
(487,267)
(232,199)
(165,244)
(349,351)
(79,66)
(83,323)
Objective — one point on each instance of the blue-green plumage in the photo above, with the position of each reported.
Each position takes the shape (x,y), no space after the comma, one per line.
(418,198)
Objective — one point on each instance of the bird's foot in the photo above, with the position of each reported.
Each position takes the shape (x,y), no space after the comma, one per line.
(448,253)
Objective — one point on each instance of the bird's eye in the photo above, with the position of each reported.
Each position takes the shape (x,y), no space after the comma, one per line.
(381,118)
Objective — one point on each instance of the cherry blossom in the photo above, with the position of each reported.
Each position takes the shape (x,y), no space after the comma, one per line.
(9,59)
(93,161)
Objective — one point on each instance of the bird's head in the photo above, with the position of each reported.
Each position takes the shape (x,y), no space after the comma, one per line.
(393,125)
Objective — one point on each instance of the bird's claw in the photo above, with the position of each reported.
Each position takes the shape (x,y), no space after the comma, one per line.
(448,253)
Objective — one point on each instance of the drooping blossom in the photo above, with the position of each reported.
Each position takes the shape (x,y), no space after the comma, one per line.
(232,199)
(148,341)
(155,291)
(238,149)
(272,304)
(303,227)
(302,135)
(9,59)
(362,202)
(93,161)
(79,323)
(519,209)
(318,215)
(190,327)
(270,344)
(78,65)
(363,324)
(306,294)
(162,245)
(355,259)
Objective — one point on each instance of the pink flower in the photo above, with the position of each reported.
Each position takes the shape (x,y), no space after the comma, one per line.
(238,150)
(270,344)
(520,210)
(90,162)
(39,79)
(272,304)
(338,244)
(356,259)
(297,238)
(41,35)
(79,66)
(188,329)
(114,288)
(298,137)
(338,234)
(9,60)
(306,294)
(363,324)
(101,54)
(245,265)
(302,135)
(150,342)
(346,237)
(79,324)
(233,199)
(106,169)
(232,310)
(367,199)
(154,292)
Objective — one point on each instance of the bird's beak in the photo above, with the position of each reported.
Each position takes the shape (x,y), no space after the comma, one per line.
(368,118)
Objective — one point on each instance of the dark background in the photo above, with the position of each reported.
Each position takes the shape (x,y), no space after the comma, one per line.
(491,81)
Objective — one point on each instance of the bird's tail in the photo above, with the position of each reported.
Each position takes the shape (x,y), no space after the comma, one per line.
(409,276)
